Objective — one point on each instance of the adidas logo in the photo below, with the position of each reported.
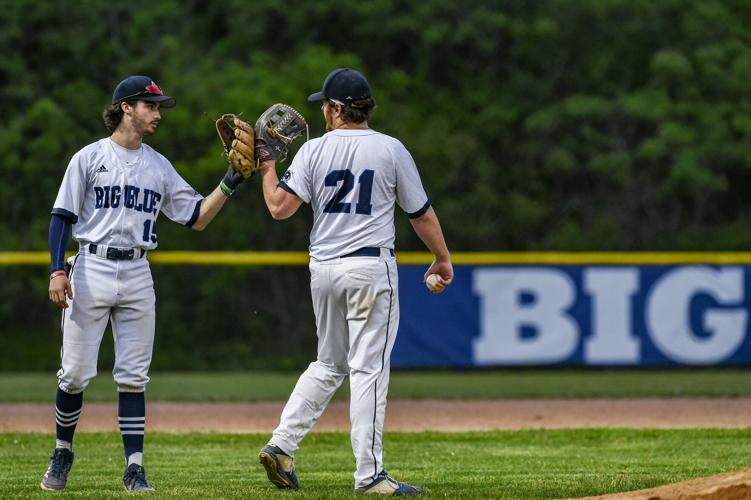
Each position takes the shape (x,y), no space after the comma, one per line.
(102,169)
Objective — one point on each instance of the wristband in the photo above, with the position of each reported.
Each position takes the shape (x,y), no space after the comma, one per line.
(56,274)
(226,189)
(232,179)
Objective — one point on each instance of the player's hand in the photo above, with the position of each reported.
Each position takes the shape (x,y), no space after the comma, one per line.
(445,270)
(60,291)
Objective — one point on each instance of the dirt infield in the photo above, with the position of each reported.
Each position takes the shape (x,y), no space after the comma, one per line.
(729,486)
(406,416)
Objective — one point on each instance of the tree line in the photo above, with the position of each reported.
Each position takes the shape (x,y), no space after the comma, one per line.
(551,125)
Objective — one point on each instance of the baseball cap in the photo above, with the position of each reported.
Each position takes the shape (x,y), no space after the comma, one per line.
(141,88)
(343,84)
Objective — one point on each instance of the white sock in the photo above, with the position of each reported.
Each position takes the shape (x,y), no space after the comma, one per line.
(135,458)
(59,443)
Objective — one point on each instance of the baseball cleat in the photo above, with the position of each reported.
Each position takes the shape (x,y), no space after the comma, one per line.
(279,466)
(56,476)
(134,479)
(386,485)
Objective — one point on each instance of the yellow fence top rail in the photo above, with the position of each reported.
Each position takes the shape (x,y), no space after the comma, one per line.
(180,257)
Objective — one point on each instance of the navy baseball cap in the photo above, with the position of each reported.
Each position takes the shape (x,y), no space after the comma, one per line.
(343,84)
(141,88)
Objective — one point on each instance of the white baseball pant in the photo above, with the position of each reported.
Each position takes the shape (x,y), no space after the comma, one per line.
(120,291)
(356,305)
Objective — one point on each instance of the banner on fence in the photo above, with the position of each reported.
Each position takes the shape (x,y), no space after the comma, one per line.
(649,315)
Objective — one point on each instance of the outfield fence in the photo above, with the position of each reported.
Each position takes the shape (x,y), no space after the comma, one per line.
(627,309)
(228,258)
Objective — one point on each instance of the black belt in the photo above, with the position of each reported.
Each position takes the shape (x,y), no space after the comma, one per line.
(120,253)
(367,252)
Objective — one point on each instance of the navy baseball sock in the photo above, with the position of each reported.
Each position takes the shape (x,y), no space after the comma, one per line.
(67,410)
(132,417)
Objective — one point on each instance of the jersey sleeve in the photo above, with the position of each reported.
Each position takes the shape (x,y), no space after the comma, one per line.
(410,195)
(182,203)
(296,179)
(72,189)
(58,241)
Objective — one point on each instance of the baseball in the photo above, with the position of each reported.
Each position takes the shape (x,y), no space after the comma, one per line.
(432,282)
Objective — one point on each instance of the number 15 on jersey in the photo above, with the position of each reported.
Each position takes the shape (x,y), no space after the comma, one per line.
(149,230)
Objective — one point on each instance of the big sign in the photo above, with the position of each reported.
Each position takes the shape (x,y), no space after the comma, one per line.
(576,315)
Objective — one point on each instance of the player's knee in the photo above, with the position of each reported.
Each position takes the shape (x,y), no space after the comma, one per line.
(369,369)
(331,369)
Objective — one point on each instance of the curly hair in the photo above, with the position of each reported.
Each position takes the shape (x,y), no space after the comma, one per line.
(113,115)
(358,111)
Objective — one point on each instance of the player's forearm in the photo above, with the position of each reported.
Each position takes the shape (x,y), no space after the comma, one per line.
(210,206)
(429,230)
(273,195)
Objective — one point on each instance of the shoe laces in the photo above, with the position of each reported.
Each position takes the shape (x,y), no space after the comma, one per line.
(390,479)
(137,475)
(57,466)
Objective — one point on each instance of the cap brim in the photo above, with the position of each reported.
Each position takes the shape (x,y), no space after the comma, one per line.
(318,96)
(165,101)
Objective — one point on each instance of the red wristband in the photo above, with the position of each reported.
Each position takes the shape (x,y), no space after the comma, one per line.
(56,274)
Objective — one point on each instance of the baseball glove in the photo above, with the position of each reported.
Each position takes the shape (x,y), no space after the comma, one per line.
(275,129)
(238,139)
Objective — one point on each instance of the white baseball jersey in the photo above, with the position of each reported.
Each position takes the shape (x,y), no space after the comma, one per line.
(114,195)
(351,178)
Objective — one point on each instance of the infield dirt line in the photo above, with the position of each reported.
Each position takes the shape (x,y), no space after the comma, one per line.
(405,415)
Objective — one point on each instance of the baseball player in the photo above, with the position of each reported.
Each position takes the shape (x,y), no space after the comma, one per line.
(111,195)
(352,176)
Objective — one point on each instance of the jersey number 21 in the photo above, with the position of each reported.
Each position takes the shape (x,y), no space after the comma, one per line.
(347,178)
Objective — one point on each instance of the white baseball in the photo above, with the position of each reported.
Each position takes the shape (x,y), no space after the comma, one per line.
(432,282)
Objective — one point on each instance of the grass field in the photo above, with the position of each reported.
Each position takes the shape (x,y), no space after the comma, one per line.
(500,384)
(539,464)
(519,465)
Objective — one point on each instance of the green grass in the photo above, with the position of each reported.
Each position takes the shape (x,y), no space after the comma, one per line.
(497,384)
(519,465)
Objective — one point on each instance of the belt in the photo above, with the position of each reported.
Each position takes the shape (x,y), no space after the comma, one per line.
(120,253)
(367,252)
